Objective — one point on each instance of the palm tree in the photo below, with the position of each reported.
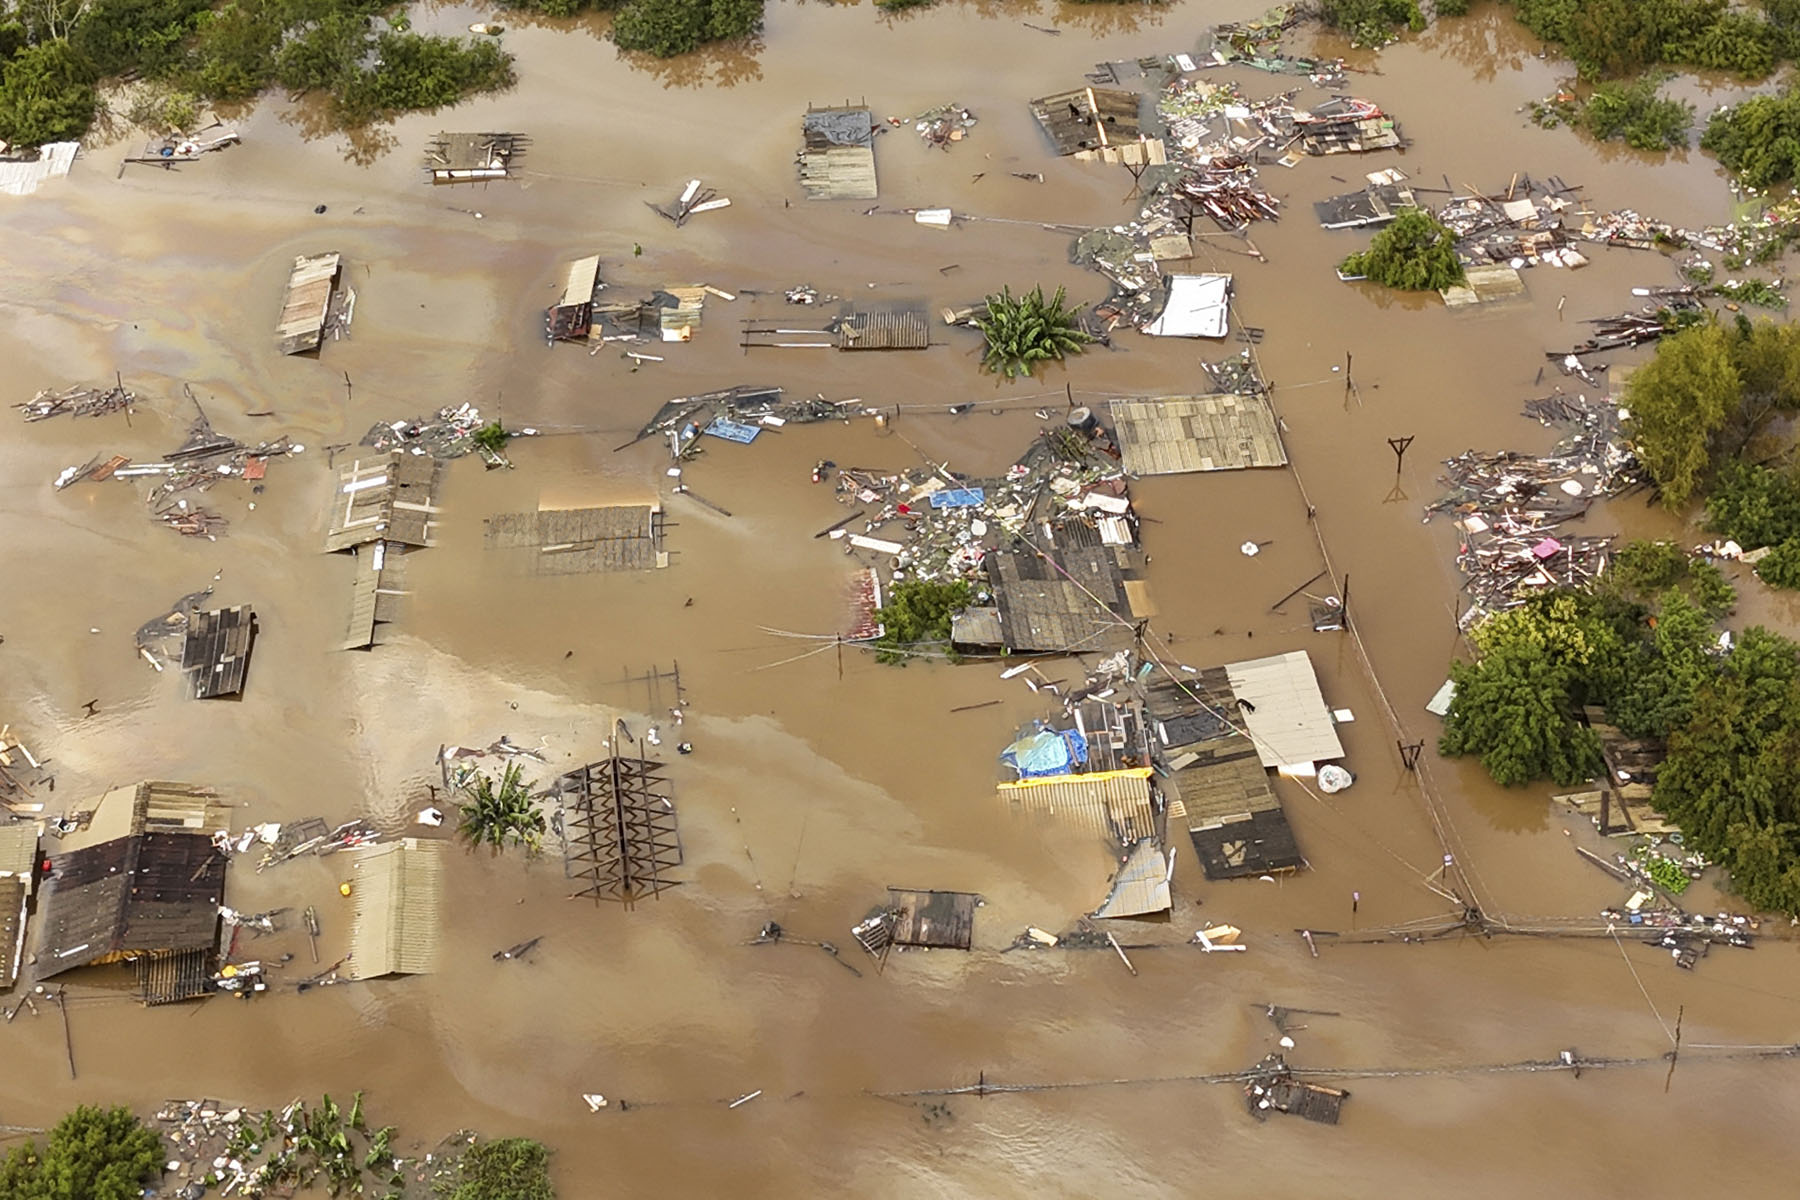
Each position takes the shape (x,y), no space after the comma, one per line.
(497,813)
(1026,329)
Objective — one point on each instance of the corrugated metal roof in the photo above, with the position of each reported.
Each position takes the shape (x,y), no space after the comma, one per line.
(1142,885)
(1287,716)
(18,850)
(153,891)
(165,807)
(1101,800)
(1171,435)
(579,281)
(398,891)
(12,929)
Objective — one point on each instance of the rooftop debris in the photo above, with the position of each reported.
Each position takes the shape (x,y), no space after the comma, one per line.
(1526,224)
(1258,44)
(449,433)
(682,419)
(940,126)
(19,768)
(1678,307)
(695,198)
(1271,1086)
(1089,118)
(178,148)
(1377,204)
(1510,507)
(76,402)
(474,157)
(153,636)
(193,520)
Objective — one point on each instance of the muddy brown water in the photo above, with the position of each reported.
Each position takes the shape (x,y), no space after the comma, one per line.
(809,791)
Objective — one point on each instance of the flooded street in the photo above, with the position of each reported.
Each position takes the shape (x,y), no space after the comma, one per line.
(818,781)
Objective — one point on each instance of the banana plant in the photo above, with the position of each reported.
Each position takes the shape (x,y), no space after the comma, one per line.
(1027,329)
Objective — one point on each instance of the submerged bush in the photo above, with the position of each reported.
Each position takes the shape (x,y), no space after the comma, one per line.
(1372,22)
(1635,113)
(918,613)
(666,28)
(1026,329)
(1415,254)
(1759,139)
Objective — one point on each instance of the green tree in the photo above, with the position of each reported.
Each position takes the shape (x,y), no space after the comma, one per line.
(917,614)
(46,95)
(92,1154)
(1027,329)
(1414,253)
(666,28)
(1635,114)
(1680,403)
(501,812)
(1758,140)
(1754,505)
(1372,22)
(1515,704)
(504,1169)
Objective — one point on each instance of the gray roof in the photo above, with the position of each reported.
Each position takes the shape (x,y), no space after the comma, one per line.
(398,889)
(12,928)
(576,540)
(152,891)
(387,497)
(215,656)
(1287,717)
(1172,435)
(1142,885)
(837,161)
(18,850)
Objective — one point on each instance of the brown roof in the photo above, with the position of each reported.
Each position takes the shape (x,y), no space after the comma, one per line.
(154,891)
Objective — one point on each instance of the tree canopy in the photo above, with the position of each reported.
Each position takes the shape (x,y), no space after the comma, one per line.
(1372,22)
(1758,140)
(665,28)
(92,1154)
(360,52)
(918,613)
(1705,394)
(1414,253)
(1609,38)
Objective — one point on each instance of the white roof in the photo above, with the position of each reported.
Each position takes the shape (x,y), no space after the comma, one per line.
(23,178)
(1287,717)
(1199,306)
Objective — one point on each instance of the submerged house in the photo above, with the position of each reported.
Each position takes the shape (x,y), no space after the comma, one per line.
(18,870)
(398,891)
(142,883)
(1089,118)
(315,304)
(572,317)
(837,155)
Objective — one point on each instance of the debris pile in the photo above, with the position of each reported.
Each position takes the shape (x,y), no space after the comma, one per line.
(1510,507)
(450,433)
(1271,1086)
(76,402)
(1525,225)
(1258,44)
(941,125)
(695,198)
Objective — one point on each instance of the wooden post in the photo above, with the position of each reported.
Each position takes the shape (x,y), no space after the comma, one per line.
(68,1036)
(1120,950)
(1345,604)
(1398,446)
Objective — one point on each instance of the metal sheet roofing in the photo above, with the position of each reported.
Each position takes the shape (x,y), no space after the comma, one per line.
(12,929)
(1112,801)
(1141,886)
(1286,715)
(398,889)
(154,891)
(1197,306)
(1172,435)
(18,851)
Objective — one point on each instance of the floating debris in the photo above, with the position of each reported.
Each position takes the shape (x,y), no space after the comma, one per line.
(76,402)
(940,126)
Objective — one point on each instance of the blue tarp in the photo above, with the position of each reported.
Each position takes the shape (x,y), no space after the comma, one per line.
(958,498)
(733,431)
(1046,752)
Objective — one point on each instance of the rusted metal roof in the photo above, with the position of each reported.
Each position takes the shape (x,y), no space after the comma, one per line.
(398,890)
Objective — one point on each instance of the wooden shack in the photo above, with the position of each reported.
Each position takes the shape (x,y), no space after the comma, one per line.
(313,304)
(473,157)
(1089,118)
(215,655)
(941,920)
(837,154)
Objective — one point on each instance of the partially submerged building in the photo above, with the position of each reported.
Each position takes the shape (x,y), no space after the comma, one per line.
(473,157)
(1073,592)
(385,498)
(837,155)
(571,541)
(315,303)
(1195,306)
(142,882)
(1385,198)
(572,317)
(215,654)
(398,892)
(1141,886)
(1173,435)
(18,873)
(1089,118)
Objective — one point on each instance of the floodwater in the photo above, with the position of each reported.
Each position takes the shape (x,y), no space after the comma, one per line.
(816,783)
